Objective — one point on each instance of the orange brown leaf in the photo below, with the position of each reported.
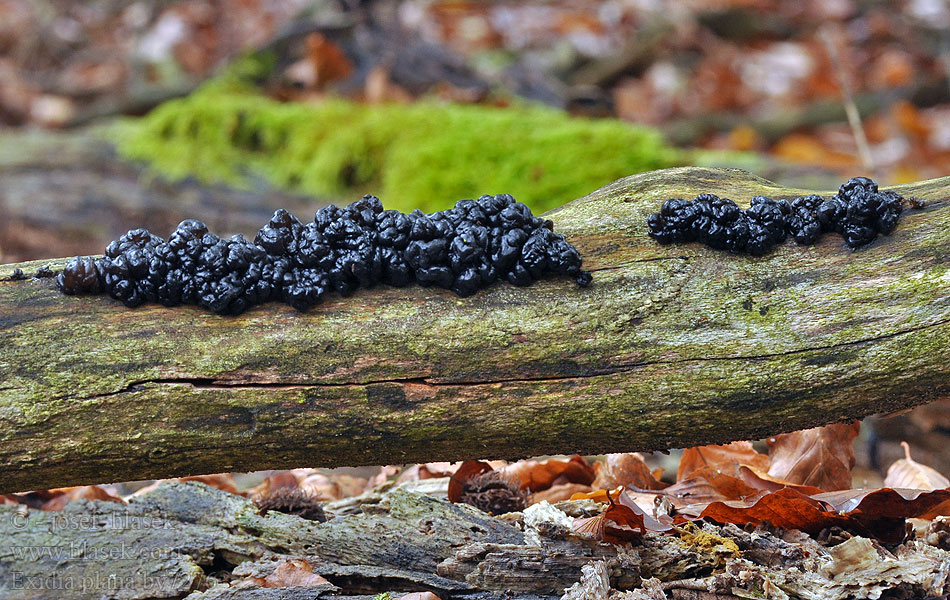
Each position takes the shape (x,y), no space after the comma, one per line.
(617,524)
(539,475)
(820,457)
(627,469)
(725,458)
(295,572)
(707,485)
(84,492)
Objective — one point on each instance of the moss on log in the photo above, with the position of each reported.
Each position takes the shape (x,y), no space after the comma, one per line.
(671,346)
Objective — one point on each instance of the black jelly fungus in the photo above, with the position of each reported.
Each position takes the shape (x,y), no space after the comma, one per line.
(16,275)
(44,272)
(858,212)
(463,249)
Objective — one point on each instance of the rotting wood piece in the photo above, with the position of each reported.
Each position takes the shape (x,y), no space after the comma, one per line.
(671,346)
(187,537)
(171,540)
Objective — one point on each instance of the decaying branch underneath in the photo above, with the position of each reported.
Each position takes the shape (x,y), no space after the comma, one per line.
(187,540)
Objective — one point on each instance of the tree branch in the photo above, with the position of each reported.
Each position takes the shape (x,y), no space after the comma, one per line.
(671,346)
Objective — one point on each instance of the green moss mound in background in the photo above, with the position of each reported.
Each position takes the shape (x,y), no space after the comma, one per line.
(424,155)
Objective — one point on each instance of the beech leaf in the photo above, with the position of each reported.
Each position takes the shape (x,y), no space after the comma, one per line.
(908,473)
(820,457)
(707,485)
(295,572)
(621,522)
(540,475)
(83,492)
(627,469)
(725,458)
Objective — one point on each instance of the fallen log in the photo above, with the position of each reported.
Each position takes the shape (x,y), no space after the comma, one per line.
(671,346)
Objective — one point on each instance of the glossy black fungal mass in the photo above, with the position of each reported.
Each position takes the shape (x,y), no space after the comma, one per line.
(858,212)
(464,249)
(16,275)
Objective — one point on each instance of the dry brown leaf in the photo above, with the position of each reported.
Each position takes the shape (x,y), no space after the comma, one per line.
(707,485)
(386,473)
(333,486)
(625,517)
(561,491)
(539,475)
(278,481)
(870,513)
(222,481)
(84,492)
(325,63)
(821,457)
(427,471)
(604,496)
(908,473)
(295,572)
(724,458)
(626,469)
(617,524)
(761,480)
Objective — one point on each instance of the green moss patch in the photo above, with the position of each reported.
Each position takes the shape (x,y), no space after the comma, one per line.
(425,155)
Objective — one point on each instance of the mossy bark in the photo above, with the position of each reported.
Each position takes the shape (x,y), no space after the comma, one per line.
(671,346)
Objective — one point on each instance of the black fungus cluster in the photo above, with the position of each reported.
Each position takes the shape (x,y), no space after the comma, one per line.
(463,249)
(858,212)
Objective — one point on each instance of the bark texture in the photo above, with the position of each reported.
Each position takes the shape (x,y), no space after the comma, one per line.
(192,542)
(671,346)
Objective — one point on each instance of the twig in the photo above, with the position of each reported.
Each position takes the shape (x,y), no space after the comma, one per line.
(851,110)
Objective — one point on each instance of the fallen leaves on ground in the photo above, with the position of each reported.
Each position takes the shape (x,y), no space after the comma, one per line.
(707,485)
(85,492)
(872,513)
(333,486)
(626,469)
(539,475)
(908,473)
(802,484)
(430,470)
(294,573)
(724,458)
(821,457)
(619,523)
(559,492)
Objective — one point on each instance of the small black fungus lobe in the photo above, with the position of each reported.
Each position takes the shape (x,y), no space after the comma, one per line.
(858,212)
(463,249)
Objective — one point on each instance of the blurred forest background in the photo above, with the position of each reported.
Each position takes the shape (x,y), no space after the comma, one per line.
(118,114)
(424,102)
